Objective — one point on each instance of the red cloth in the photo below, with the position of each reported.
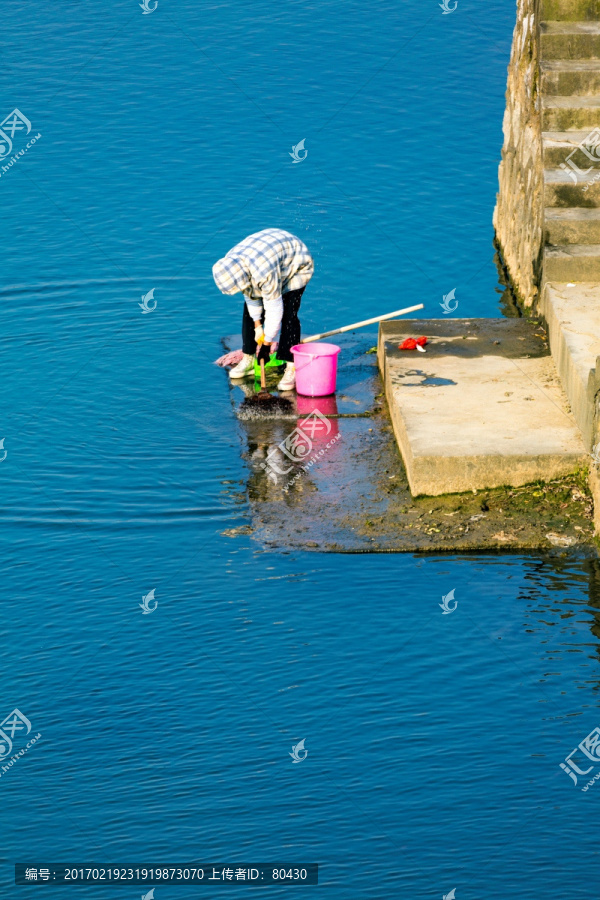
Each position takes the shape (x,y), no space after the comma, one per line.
(411,343)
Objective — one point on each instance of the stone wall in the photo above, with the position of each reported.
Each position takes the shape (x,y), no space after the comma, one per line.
(518,217)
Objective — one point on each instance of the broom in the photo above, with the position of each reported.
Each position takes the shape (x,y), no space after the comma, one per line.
(264,401)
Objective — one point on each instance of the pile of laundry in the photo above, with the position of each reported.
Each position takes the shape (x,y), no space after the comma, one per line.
(413,344)
(235,356)
(230,359)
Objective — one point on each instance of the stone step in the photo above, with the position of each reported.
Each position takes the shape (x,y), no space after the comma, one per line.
(570,76)
(570,113)
(572,314)
(563,148)
(571,262)
(482,408)
(571,226)
(562,189)
(570,10)
(570,40)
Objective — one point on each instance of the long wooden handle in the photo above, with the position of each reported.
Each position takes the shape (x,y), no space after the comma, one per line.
(263,380)
(399,312)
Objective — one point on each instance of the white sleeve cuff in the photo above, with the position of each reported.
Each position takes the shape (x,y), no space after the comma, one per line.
(273,317)
(254,308)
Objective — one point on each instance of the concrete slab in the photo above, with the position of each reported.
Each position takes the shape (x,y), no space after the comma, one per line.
(572,10)
(571,226)
(481,409)
(558,145)
(571,262)
(559,189)
(570,76)
(572,313)
(570,40)
(571,112)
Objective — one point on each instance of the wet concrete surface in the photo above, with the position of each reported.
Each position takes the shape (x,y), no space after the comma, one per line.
(330,478)
(485,407)
(472,338)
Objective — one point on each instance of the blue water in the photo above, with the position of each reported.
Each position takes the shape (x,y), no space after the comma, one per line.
(434,741)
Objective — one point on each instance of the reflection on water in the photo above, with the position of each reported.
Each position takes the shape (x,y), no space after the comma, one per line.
(282,452)
(561,611)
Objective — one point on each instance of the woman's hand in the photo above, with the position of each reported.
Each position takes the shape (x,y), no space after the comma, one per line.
(259,334)
(264,352)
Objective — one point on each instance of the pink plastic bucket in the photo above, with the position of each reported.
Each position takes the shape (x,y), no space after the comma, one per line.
(316,368)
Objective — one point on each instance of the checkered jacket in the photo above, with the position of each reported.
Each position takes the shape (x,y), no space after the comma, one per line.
(264,266)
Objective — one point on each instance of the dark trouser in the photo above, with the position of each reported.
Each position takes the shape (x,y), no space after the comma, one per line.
(290,327)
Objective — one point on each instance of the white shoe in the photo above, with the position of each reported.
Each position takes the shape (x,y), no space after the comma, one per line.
(243,368)
(288,382)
